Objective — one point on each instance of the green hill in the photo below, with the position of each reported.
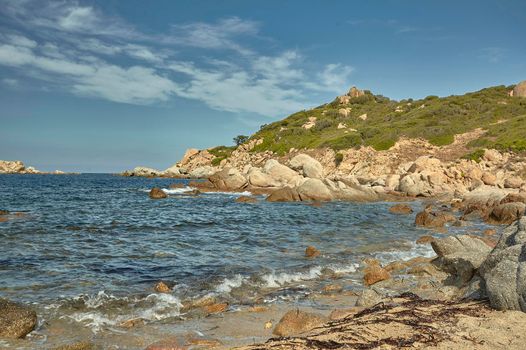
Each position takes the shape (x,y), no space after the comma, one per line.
(432,118)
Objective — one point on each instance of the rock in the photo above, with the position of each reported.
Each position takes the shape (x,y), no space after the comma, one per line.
(369,297)
(228,179)
(11,167)
(16,320)
(520,89)
(363,116)
(311,252)
(215,308)
(202,172)
(77,346)
(246,199)
(281,173)
(504,270)
(157,193)
(489,232)
(332,288)
(285,194)
(168,344)
(514,197)
(401,209)
(513,182)
(188,154)
(374,274)
(460,255)
(145,172)
(260,179)
(314,190)
(307,166)
(162,287)
(425,239)
(507,213)
(338,314)
(489,179)
(355,92)
(428,218)
(296,322)
(172,171)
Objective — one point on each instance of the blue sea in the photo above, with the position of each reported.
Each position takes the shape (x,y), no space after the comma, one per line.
(87,245)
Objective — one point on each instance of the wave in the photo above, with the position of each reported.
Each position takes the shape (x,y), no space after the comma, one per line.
(103,310)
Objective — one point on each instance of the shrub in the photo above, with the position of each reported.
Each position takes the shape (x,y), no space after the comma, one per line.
(338,158)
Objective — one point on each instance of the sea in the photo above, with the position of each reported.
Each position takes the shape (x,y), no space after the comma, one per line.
(88,249)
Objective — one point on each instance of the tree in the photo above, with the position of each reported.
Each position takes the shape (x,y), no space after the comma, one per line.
(240,139)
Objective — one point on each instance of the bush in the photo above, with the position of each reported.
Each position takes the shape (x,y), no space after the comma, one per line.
(338,158)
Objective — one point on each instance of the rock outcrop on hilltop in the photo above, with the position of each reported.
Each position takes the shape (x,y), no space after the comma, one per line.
(519,90)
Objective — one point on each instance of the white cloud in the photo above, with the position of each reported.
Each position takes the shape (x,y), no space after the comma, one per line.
(86,52)
(10,82)
(218,35)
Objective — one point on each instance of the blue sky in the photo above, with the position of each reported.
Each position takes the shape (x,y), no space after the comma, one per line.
(102,86)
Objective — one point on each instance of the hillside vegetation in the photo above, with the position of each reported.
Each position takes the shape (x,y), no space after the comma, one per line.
(339,126)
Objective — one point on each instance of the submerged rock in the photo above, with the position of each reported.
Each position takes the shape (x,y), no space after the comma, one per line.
(16,320)
(168,344)
(162,287)
(157,193)
(311,252)
(246,199)
(296,322)
(401,209)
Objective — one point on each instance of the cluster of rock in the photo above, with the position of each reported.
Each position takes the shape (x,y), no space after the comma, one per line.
(195,164)
(302,180)
(16,167)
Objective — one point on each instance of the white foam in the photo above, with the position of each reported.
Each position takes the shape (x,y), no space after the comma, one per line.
(276,280)
(178,190)
(343,269)
(417,250)
(229,283)
(234,194)
(154,307)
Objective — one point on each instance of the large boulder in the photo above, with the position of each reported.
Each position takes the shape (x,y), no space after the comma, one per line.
(297,322)
(520,89)
(172,171)
(258,178)
(281,173)
(16,320)
(504,270)
(460,256)
(284,194)
(307,166)
(506,213)
(314,190)
(202,172)
(513,182)
(228,179)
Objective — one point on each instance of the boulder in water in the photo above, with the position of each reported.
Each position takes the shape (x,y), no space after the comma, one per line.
(157,193)
(401,209)
(285,194)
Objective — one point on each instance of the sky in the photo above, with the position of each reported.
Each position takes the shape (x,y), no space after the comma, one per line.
(104,86)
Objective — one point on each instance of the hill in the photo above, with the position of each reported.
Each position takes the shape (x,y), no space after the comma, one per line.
(361,118)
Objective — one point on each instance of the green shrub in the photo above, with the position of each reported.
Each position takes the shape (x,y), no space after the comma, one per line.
(338,158)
